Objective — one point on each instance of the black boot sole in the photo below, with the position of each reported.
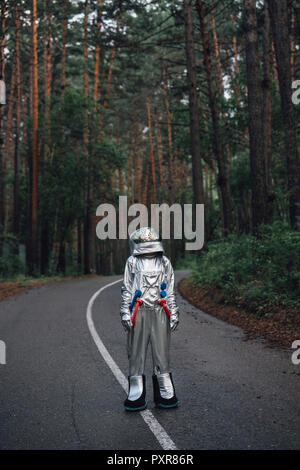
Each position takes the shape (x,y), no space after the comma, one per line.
(139,408)
(162,405)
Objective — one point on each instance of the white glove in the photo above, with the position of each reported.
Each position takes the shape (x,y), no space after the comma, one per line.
(126,322)
(174,320)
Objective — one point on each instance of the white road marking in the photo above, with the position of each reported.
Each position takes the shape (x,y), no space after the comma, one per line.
(158,431)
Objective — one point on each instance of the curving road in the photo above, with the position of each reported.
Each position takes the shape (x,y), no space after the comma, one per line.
(57,391)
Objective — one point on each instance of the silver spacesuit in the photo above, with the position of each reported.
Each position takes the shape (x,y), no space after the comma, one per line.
(150,274)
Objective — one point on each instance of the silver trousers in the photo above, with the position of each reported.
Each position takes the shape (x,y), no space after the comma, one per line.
(151,326)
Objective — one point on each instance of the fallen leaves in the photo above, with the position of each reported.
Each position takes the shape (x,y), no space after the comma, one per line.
(281,325)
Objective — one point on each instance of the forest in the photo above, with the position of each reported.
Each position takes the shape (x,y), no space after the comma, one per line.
(183,101)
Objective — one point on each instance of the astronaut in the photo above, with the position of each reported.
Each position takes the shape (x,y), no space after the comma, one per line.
(149,313)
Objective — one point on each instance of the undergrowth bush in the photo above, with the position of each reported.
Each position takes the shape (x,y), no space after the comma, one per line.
(10,266)
(254,272)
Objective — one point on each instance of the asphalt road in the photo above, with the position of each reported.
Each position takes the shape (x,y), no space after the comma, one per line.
(57,391)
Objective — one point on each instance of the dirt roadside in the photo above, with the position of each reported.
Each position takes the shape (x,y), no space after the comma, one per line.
(12,288)
(280,326)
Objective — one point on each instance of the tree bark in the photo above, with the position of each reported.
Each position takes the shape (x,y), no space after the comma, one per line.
(236,64)
(9,126)
(162,175)
(48,46)
(16,216)
(170,141)
(193,105)
(63,50)
(138,173)
(97,55)
(35,121)
(2,77)
(293,44)
(255,103)
(129,177)
(217,53)
(267,100)
(223,179)
(279,23)
(107,88)
(87,210)
(153,195)
(47,76)
(95,247)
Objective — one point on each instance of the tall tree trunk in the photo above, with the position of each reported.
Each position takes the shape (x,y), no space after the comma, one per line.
(129,177)
(193,105)
(108,82)
(79,245)
(210,185)
(223,179)
(107,88)
(18,122)
(87,215)
(236,64)
(95,247)
(162,173)
(47,76)
(47,42)
(147,183)
(217,53)
(2,77)
(9,126)
(293,43)
(138,173)
(121,182)
(63,49)
(97,54)
(63,65)
(61,262)
(267,100)
(35,118)
(279,23)
(153,194)
(255,103)
(275,72)
(206,182)
(240,95)
(170,143)
(85,77)
(25,136)
(176,169)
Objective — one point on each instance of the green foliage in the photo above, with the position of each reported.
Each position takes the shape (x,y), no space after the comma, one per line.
(253,272)
(189,261)
(240,176)
(10,265)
